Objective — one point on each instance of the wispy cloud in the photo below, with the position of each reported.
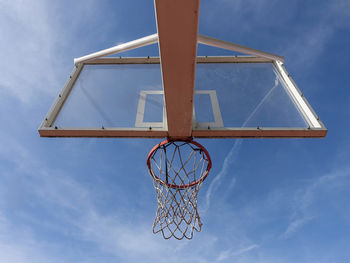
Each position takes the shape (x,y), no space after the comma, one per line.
(231,253)
(73,213)
(33,36)
(215,183)
(301,37)
(309,45)
(233,154)
(305,198)
(19,245)
(296,225)
(28,48)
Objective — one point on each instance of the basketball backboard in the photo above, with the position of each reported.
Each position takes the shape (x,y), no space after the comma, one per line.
(245,96)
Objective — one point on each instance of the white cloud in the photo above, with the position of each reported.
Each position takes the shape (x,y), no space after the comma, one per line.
(341,8)
(301,37)
(307,197)
(19,245)
(296,225)
(34,47)
(215,183)
(248,13)
(233,154)
(232,253)
(308,46)
(27,46)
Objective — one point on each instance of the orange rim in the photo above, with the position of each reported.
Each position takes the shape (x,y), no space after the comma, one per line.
(188,140)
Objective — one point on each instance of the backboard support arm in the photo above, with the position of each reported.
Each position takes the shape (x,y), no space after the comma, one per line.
(177,24)
(210,41)
(141,42)
(202,39)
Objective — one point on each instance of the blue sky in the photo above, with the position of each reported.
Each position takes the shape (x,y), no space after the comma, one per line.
(92,200)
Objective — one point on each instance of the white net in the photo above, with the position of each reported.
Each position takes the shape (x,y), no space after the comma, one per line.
(178,169)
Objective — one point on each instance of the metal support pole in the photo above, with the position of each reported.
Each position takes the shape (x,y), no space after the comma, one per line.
(210,41)
(141,42)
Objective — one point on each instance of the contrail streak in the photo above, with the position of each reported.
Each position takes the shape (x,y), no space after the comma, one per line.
(232,155)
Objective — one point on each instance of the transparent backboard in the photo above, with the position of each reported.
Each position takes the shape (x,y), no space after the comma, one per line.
(233,97)
(248,95)
(108,96)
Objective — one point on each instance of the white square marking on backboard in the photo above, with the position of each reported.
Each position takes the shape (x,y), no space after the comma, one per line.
(139,123)
(218,123)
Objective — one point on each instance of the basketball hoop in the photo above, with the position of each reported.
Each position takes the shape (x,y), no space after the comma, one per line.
(178,168)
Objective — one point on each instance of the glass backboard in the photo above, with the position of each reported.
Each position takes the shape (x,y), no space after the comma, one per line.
(233,97)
